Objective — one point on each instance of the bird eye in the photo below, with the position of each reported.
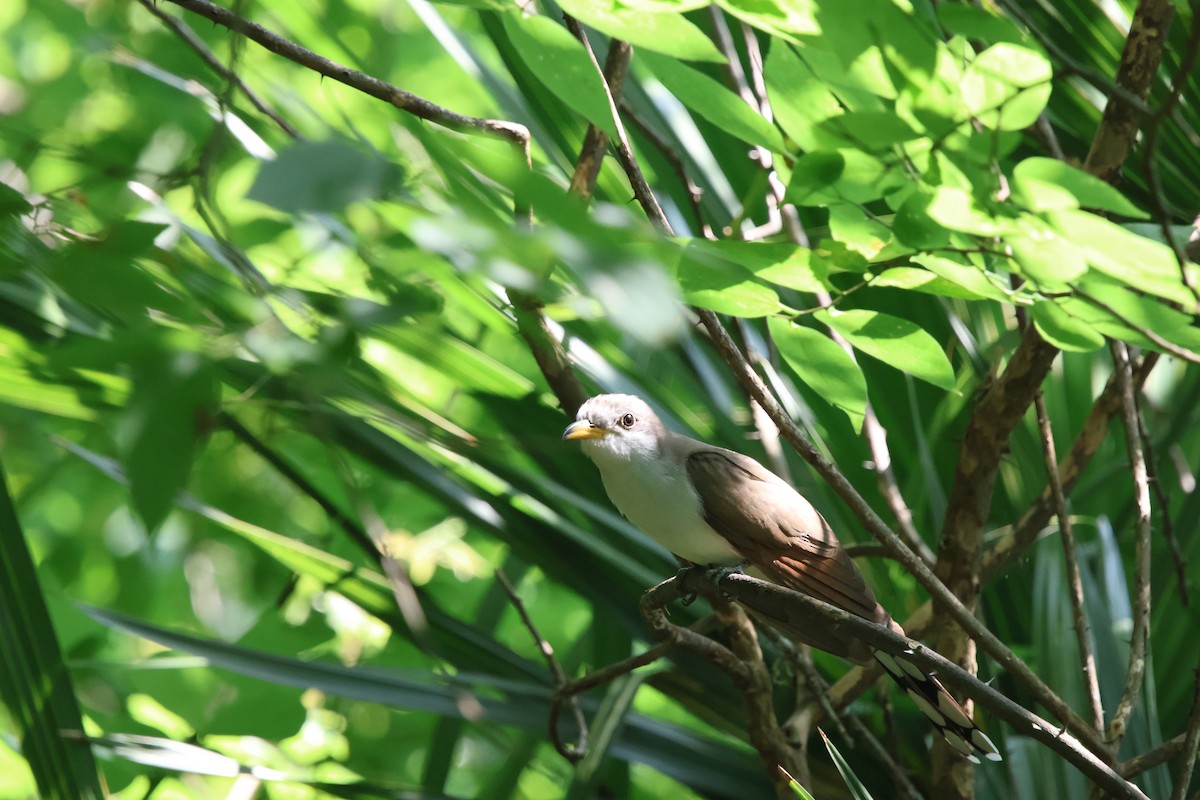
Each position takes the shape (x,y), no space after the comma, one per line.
(627,421)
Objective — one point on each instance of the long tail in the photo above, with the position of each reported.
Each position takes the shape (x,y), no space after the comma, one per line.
(940,707)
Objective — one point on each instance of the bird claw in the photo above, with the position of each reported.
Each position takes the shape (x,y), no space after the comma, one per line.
(713,575)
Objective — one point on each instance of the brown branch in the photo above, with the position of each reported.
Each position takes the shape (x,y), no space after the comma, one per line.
(381,90)
(595,141)
(1191,744)
(197,45)
(1150,759)
(1083,633)
(780,603)
(747,672)
(575,753)
(871,521)
(1141,594)
(1136,71)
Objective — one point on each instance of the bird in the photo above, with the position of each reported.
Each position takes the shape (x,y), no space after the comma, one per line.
(716,507)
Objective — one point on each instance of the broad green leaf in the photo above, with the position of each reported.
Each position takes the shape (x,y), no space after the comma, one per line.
(799,100)
(914,226)
(710,99)
(922,280)
(668,33)
(1134,260)
(724,287)
(874,130)
(1063,330)
(823,366)
(322,176)
(859,231)
(1045,257)
(1033,175)
(1007,86)
(171,410)
(844,176)
(958,210)
(560,63)
(978,23)
(786,18)
(894,341)
(971,278)
(782,264)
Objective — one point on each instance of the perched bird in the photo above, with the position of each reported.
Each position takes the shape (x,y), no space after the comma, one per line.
(715,507)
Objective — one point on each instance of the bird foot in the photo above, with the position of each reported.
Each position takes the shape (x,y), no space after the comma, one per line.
(713,575)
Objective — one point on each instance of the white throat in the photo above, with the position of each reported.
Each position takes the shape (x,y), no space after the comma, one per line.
(656,495)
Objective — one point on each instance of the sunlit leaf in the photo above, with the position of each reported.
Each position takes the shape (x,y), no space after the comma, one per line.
(893,341)
(824,366)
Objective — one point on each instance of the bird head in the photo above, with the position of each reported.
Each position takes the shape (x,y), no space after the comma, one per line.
(617,425)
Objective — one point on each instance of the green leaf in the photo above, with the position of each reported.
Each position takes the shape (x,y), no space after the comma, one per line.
(973,22)
(322,176)
(874,130)
(922,280)
(782,264)
(823,366)
(172,407)
(1063,330)
(668,33)
(914,226)
(1045,257)
(12,202)
(958,210)
(560,63)
(1035,176)
(724,287)
(857,790)
(1131,259)
(712,101)
(971,278)
(1007,86)
(799,100)
(35,685)
(786,18)
(894,341)
(844,176)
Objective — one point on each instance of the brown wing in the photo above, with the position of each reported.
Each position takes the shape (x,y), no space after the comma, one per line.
(778,531)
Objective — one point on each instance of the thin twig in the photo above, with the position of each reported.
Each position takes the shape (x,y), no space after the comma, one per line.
(189,37)
(573,754)
(1168,347)
(405,101)
(1191,744)
(1083,634)
(670,152)
(1086,444)
(1141,566)
(1144,762)
(1160,496)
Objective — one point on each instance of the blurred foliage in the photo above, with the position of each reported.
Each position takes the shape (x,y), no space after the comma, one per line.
(231,359)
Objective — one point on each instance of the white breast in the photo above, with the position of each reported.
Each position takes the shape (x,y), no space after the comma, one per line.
(658,498)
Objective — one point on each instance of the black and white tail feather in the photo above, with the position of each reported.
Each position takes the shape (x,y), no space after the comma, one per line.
(942,710)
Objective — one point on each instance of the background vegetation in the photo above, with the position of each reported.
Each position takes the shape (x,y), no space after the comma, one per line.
(284,362)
